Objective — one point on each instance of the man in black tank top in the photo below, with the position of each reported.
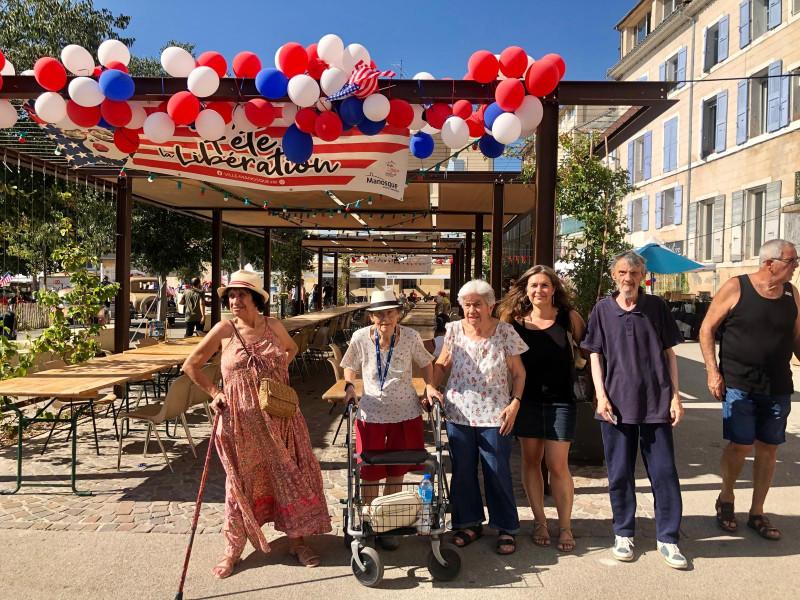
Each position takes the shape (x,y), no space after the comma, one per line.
(761,328)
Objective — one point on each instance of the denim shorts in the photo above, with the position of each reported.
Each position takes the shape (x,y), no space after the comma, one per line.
(546,420)
(747,417)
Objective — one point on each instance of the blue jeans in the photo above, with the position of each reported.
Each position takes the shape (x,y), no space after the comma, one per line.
(467,444)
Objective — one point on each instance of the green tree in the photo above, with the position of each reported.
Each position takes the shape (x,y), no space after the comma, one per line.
(31,29)
(240,248)
(289,259)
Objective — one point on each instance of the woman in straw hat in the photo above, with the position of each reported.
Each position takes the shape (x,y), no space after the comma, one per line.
(389,413)
(272,473)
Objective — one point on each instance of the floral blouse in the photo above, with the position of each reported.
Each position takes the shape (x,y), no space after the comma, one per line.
(480,383)
(399,400)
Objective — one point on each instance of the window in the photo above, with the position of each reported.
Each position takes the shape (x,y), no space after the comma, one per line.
(367,282)
(795,93)
(668,207)
(408,284)
(705,230)
(709,140)
(716,43)
(641,30)
(795,6)
(637,216)
(759,17)
(672,69)
(638,160)
(759,90)
(456,164)
(670,6)
(754,204)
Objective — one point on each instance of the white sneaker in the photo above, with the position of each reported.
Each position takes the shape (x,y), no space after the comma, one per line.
(672,555)
(623,548)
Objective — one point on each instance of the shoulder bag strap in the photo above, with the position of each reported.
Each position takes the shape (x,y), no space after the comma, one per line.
(241,340)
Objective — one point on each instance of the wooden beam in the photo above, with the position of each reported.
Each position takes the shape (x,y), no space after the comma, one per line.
(335,278)
(318,295)
(497,239)
(122,315)
(468,256)
(268,264)
(478,246)
(216,265)
(544,239)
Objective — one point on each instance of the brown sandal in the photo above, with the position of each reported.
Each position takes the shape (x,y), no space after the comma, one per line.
(764,528)
(543,541)
(566,542)
(226,567)
(726,516)
(305,555)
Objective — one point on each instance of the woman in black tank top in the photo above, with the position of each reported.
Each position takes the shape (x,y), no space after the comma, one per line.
(540,310)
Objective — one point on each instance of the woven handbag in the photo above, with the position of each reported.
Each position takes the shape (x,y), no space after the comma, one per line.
(275,398)
(581,371)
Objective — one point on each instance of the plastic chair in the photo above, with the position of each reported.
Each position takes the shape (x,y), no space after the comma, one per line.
(318,347)
(174,406)
(198,395)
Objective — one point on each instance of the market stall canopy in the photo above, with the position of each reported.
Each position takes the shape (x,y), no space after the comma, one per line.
(662,260)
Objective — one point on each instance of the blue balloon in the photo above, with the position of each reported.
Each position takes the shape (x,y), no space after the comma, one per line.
(421,145)
(106,124)
(490,147)
(297,146)
(491,113)
(272,83)
(352,110)
(368,127)
(116,85)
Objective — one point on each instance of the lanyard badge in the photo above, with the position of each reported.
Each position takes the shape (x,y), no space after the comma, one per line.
(383,372)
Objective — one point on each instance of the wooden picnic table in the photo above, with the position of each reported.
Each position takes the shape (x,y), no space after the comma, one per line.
(336,392)
(180,348)
(314,318)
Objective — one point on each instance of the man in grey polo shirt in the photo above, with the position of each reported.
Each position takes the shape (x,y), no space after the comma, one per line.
(635,373)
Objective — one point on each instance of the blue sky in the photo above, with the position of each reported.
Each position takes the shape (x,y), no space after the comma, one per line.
(433,36)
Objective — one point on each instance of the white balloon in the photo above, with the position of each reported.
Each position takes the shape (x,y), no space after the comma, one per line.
(66,124)
(332,80)
(277,53)
(50,107)
(423,75)
(429,129)
(530,62)
(78,60)
(376,107)
(159,127)
(8,69)
(500,75)
(288,113)
(209,125)
(348,63)
(240,121)
(8,114)
(455,132)
(28,73)
(358,53)
(506,128)
(323,105)
(303,90)
(177,61)
(530,112)
(330,48)
(113,50)
(85,91)
(138,116)
(526,133)
(418,122)
(203,81)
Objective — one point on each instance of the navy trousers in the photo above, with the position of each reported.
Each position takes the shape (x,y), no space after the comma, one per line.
(621,444)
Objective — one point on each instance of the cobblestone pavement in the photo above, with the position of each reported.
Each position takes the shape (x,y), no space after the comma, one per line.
(145,497)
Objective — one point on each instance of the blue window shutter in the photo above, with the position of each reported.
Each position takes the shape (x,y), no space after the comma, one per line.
(642,78)
(722,41)
(703,144)
(774,14)
(662,71)
(705,49)
(674,150)
(648,153)
(722,120)
(645,213)
(774,96)
(784,109)
(681,73)
(667,146)
(630,216)
(741,112)
(658,210)
(744,23)
(630,164)
(677,213)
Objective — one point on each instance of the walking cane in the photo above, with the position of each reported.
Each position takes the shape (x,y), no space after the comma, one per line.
(179,595)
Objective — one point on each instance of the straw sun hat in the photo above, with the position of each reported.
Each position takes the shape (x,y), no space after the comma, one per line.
(246,280)
(381,300)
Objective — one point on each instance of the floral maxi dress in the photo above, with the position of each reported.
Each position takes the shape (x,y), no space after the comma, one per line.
(272,473)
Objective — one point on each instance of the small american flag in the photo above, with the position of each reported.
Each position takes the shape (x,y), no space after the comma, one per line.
(362,82)
(5,279)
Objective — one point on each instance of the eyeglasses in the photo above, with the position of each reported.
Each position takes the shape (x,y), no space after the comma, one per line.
(795,261)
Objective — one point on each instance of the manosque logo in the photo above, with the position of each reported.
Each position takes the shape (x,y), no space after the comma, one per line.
(373,179)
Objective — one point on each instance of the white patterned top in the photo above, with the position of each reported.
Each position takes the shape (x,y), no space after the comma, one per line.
(480,383)
(398,401)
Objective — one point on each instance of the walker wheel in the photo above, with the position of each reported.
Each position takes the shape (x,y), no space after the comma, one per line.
(449,572)
(373,573)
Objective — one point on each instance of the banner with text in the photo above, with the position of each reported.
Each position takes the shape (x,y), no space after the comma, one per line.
(412,264)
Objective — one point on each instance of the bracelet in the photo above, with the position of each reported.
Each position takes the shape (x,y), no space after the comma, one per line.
(516,398)
(349,383)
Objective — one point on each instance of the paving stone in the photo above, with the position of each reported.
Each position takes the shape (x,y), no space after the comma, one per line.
(108,527)
(126,527)
(124,519)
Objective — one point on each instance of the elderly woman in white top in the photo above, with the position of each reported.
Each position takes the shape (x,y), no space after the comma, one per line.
(389,413)
(484,354)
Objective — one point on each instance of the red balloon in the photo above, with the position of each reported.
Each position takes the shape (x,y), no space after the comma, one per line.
(328,126)
(513,62)
(481,109)
(400,113)
(259,112)
(468,77)
(183,108)
(115,64)
(509,94)
(292,59)
(2,60)
(316,67)
(215,60)
(126,140)
(225,109)
(49,73)
(462,108)
(160,107)
(306,120)
(311,52)
(97,71)
(116,114)
(557,61)
(475,124)
(437,114)
(83,116)
(483,66)
(542,78)
(246,64)
(1,80)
